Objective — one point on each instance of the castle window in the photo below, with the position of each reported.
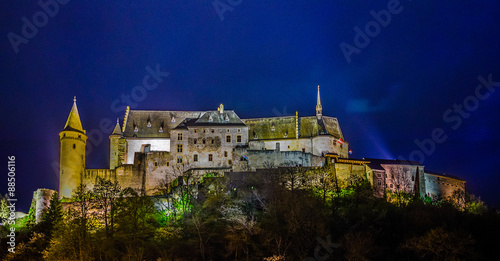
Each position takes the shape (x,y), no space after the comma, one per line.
(227,118)
(210,157)
(172,119)
(168,163)
(227,130)
(156,163)
(195,141)
(288,146)
(179,136)
(212,141)
(195,157)
(254,135)
(210,119)
(379,183)
(239,130)
(228,138)
(74,146)
(225,153)
(303,150)
(230,162)
(203,141)
(79,136)
(238,138)
(149,124)
(179,147)
(212,130)
(135,128)
(161,129)
(286,133)
(412,178)
(179,159)
(204,130)
(194,130)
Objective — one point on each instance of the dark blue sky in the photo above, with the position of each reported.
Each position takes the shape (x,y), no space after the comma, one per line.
(265,58)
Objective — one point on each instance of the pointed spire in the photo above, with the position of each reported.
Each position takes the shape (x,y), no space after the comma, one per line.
(319,108)
(73,122)
(117,130)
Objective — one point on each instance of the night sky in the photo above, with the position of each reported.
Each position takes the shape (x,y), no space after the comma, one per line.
(407,79)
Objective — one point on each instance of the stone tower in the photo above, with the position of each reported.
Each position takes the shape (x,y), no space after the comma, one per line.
(72,162)
(117,146)
(319,108)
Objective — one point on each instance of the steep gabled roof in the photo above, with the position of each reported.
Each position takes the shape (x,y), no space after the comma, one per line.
(73,123)
(154,124)
(284,127)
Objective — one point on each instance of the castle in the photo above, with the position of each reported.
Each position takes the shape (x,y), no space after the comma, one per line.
(155,147)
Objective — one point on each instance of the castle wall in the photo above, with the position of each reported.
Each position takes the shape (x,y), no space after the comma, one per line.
(349,174)
(159,170)
(402,178)
(441,187)
(137,145)
(272,158)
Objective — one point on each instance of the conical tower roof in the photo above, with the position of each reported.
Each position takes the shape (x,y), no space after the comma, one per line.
(73,123)
(117,130)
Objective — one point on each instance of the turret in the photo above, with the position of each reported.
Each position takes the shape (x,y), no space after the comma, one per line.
(72,161)
(319,108)
(116,147)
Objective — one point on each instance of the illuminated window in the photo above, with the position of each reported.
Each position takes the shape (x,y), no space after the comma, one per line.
(179,159)
(210,157)
(195,157)
(195,141)
(179,136)
(228,138)
(225,153)
(179,147)
(238,138)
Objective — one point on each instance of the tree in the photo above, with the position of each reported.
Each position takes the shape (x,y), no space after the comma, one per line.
(106,193)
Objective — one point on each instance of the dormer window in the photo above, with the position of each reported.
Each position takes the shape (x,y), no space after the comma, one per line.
(210,119)
(149,123)
(173,119)
(161,129)
(286,133)
(227,117)
(254,135)
(135,128)
(272,127)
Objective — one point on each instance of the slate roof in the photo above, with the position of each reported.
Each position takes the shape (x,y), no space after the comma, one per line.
(166,120)
(213,118)
(73,123)
(284,127)
(377,163)
(442,175)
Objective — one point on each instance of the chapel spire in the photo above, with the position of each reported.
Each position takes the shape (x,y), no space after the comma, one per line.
(73,122)
(319,108)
